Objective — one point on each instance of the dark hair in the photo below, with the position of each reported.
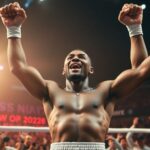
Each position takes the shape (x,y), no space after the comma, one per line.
(122,138)
(34,144)
(141,120)
(140,137)
(6,139)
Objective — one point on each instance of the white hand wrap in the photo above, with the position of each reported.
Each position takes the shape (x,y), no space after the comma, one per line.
(14,31)
(135,29)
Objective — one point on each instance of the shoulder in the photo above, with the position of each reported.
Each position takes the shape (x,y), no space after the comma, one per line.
(104,88)
(52,86)
(51,83)
(105,84)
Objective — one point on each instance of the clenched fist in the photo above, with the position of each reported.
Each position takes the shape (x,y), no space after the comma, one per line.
(131,14)
(12,15)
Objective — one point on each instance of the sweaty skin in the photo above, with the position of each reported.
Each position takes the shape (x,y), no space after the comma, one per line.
(82,113)
(83,116)
(78,113)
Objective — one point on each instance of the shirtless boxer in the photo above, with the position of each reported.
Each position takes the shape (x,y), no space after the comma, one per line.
(78,116)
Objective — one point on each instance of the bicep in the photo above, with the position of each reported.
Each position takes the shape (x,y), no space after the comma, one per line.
(127,82)
(33,81)
(130,79)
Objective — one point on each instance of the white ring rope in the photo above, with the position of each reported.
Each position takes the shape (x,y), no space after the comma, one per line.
(125,130)
(46,129)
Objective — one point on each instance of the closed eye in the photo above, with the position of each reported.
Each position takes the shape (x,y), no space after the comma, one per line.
(82,56)
(70,56)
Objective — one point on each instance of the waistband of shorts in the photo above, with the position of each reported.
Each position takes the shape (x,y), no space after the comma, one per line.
(78,146)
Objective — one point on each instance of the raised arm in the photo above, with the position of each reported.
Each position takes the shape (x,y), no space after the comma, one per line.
(131,16)
(129,136)
(130,79)
(13,16)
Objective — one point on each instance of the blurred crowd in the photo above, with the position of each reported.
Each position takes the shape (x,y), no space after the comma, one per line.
(130,140)
(24,141)
(42,141)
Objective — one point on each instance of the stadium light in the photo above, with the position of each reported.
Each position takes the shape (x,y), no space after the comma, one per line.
(27,3)
(143,6)
(40,1)
(1,67)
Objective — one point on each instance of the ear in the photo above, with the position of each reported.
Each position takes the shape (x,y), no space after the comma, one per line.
(91,70)
(63,72)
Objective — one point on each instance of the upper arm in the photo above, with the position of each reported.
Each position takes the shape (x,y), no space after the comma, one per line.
(32,80)
(127,82)
(130,79)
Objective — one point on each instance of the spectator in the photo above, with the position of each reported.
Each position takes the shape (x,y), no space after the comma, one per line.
(123,143)
(5,145)
(113,144)
(27,145)
(137,143)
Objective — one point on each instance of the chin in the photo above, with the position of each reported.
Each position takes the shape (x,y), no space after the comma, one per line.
(76,77)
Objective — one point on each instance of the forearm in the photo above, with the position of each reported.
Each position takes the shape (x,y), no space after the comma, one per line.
(117,144)
(16,55)
(138,50)
(131,16)
(129,138)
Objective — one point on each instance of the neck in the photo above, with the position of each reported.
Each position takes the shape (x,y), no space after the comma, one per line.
(77,86)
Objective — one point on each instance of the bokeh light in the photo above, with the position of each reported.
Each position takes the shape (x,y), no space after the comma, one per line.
(1,67)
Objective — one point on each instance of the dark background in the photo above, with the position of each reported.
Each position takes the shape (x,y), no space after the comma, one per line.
(54,27)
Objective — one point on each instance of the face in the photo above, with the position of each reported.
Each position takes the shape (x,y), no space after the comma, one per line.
(140,142)
(111,143)
(77,65)
(28,140)
(123,143)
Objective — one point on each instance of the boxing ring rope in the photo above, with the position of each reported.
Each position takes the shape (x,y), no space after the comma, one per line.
(46,129)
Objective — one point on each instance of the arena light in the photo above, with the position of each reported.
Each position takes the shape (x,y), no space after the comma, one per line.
(27,3)
(1,67)
(40,1)
(143,6)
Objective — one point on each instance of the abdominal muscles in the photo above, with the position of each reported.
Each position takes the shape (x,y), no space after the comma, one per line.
(78,127)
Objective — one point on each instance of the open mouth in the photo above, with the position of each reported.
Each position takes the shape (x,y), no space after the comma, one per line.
(75,66)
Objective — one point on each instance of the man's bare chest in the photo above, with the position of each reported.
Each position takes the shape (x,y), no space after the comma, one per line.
(78,102)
